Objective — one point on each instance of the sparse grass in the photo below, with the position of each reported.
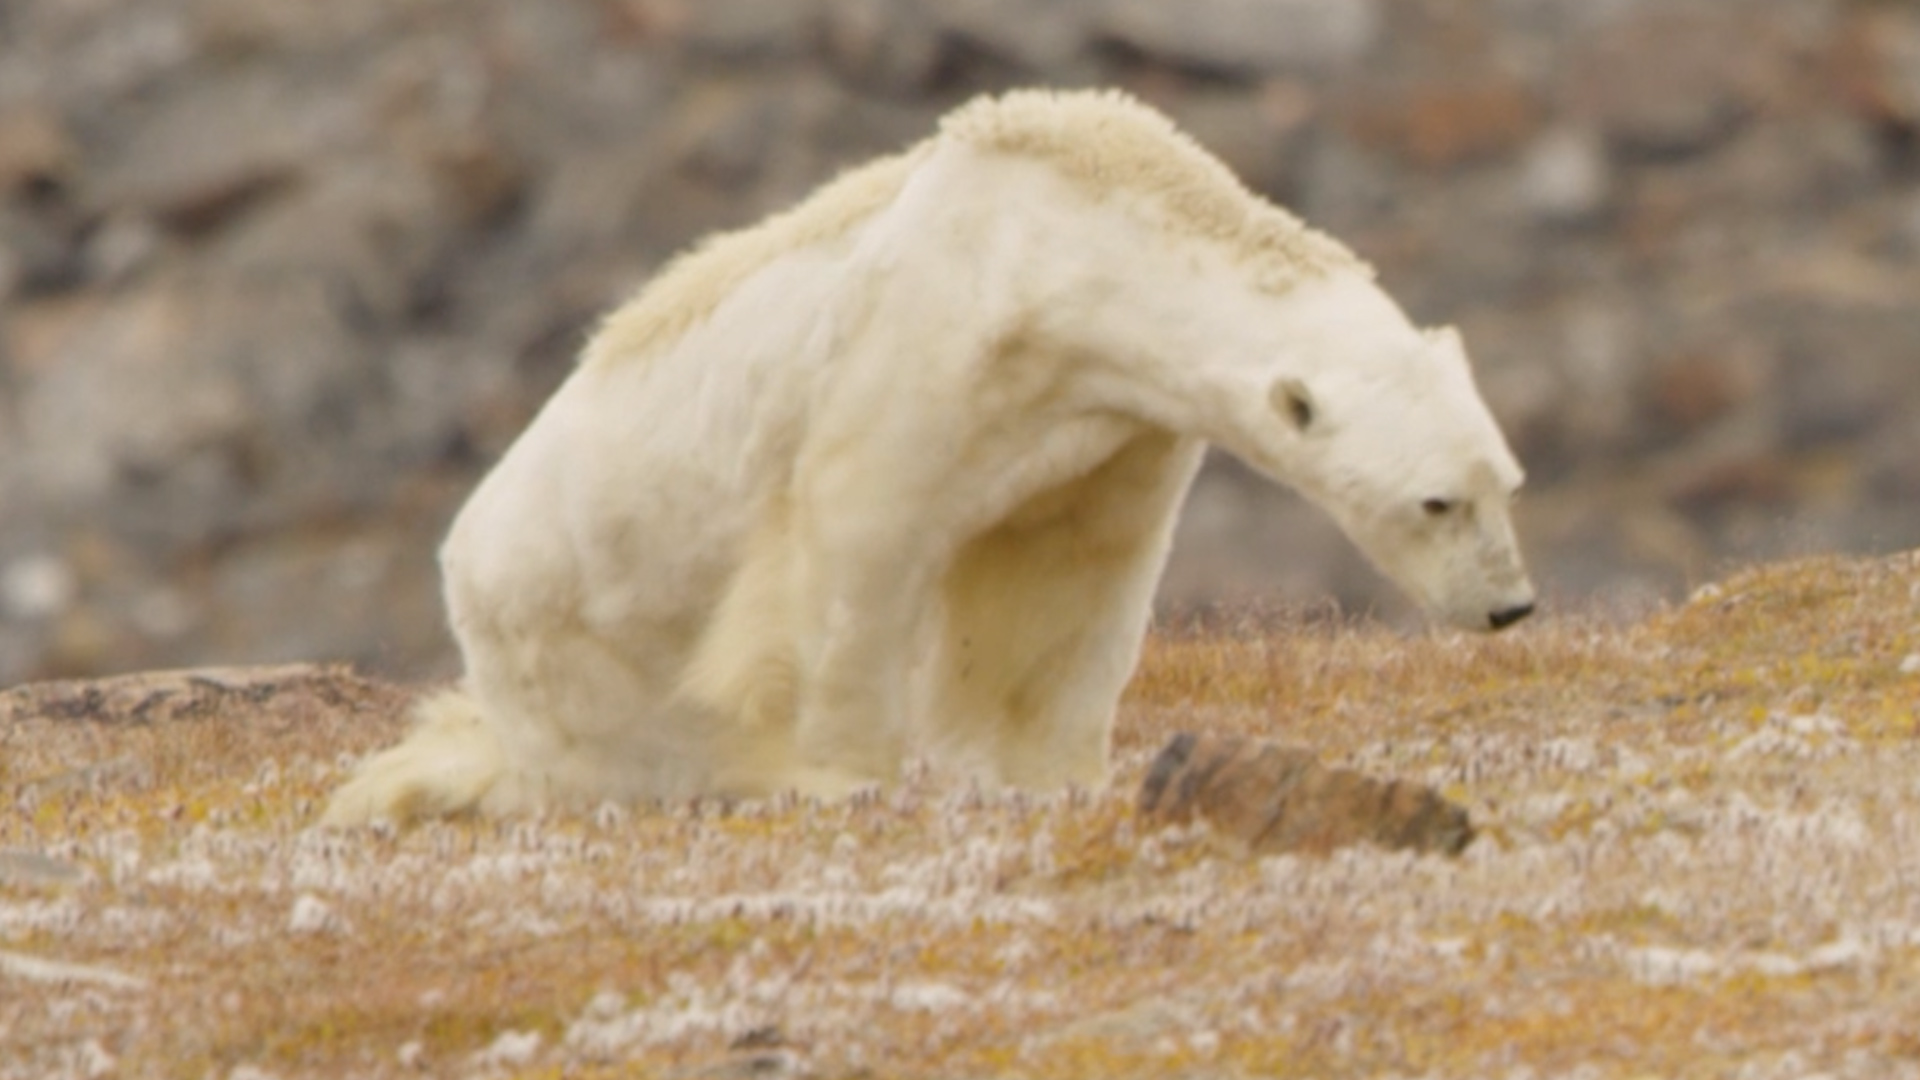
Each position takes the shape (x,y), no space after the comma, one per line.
(1700,856)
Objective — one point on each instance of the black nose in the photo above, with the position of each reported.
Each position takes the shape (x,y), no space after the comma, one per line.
(1506,617)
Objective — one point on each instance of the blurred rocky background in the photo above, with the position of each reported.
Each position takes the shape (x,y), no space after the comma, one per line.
(280,278)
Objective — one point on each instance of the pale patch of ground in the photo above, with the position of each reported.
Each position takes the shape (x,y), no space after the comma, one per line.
(1700,856)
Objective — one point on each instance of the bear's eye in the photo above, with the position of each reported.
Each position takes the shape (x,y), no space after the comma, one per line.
(1438,507)
(1291,398)
(1301,410)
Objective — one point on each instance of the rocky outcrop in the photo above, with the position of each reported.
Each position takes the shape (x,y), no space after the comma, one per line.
(1262,798)
(271,695)
(278,280)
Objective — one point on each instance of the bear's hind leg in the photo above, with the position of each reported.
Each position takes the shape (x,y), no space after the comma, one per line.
(582,715)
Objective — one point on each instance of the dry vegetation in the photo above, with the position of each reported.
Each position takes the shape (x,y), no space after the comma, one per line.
(1699,856)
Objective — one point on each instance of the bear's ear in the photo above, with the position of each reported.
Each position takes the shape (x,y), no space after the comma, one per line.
(1291,398)
(1443,337)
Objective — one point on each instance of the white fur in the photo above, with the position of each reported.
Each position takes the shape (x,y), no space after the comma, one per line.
(906,489)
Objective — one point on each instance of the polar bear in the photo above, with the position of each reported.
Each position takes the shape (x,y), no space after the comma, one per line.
(893,474)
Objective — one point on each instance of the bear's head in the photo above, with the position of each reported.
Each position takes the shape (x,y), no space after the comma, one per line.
(1391,437)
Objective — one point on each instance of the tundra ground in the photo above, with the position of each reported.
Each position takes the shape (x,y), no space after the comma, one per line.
(1699,855)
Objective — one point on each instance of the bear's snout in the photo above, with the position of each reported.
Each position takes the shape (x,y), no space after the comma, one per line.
(1505,617)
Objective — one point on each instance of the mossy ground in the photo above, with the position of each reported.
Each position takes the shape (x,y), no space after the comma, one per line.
(1700,856)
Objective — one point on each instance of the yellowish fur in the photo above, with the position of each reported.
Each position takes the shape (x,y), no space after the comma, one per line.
(744,665)
(448,764)
(1103,142)
(1109,142)
(693,284)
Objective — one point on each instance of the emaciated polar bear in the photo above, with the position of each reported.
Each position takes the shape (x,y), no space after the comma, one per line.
(894,474)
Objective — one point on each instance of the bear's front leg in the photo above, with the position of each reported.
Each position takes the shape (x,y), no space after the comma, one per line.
(1043,616)
(862,595)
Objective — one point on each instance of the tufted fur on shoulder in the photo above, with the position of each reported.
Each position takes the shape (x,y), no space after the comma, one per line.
(1108,142)
(693,284)
(1105,142)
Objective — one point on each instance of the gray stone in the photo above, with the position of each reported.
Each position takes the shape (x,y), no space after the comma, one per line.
(120,247)
(1565,176)
(727,135)
(237,28)
(1040,35)
(200,157)
(205,403)
(1259,133)
(33,868)
(738,29)
(1823,404)
(39,585)
(892,47)
(1665,83)
(44,250)
(372,229)
(1247,36)
(110,400)
(82,56)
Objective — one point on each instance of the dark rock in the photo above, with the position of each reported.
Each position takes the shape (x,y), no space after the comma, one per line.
(477,177)
(1877,60)
(37,155)
(42,249)
(1274,799)
(372,231)
(201,157)
(289,693)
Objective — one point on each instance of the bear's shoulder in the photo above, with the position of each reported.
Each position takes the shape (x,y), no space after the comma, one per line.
(695,282)
(1101,141)
(1107,141)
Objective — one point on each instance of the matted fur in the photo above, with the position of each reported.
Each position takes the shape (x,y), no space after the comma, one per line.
(693,284)
(1106,142)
